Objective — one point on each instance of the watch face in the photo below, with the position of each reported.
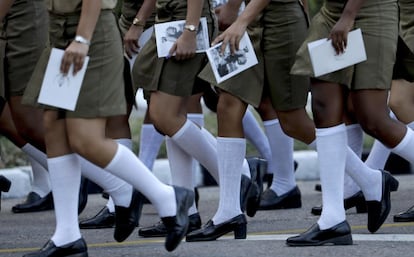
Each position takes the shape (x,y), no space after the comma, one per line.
(190,27)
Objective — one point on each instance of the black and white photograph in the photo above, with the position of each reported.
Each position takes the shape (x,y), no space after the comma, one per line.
(168,32)
(226,65)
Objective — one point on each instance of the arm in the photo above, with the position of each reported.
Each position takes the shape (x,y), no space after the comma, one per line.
(135,31)
(339,33)
(185,46)
(5,7)
(233,34)
(76,51)
(227,13)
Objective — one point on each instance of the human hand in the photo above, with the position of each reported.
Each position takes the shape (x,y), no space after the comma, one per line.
(185,46)
(74,54)
(339,34)
(131,45)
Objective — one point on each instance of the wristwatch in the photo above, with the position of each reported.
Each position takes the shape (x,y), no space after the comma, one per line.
(137,22)
(190,27)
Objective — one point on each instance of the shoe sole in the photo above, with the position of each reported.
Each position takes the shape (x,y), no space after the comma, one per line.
(342,240)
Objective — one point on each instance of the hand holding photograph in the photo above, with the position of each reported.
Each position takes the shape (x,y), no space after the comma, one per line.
(168,32)
(325,60)
(227,65)
(61,90)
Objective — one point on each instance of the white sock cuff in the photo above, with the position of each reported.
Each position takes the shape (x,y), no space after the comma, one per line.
(320,132)
(65,157)
(182,130)
(312,145)
(27,148)
(231,139)
(404,142)
(116,157)
(127,142)
(197,118)
(270,122)
(353,126)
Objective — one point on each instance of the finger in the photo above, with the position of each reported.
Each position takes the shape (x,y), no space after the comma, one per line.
(173,49)
(65,64)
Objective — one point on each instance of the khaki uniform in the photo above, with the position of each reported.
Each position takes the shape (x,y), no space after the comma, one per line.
(404,65)
(378,21)
(285,26)
(102,92)
(173,77)
(23,36)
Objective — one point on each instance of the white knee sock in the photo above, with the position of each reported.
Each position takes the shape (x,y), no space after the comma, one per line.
(127,142)
(254,134)
(41,178)
(355,142)
(149,145)
(198,119)
(369,180)
(379,153)
(119,190)
(231,152)
(198,144)
(181,166)
(331,144)
(213,142)
(38,161)
(36,154)
(129,168)
(282,155)
(65,176)
(406,146)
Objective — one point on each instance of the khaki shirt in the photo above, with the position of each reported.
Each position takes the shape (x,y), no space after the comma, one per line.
(71,6)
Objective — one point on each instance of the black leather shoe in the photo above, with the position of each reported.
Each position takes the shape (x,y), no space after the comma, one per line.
(74,249)
(34,203)
(357,201)
(159,230)
(210,232)
(406,216)
(379,210)
(127,218)
(271,201)
(337,235)
(177,226)
(103,219)
(258,167)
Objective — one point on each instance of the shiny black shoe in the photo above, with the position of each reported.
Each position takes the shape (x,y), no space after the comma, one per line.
(357,201)
(337,235)
(177,226)
(159,230)
(379,210)
(406,216)
(103,219)
(271,201)
(258,168)
(127,218)
(210,232)
(34,203)
(74,249)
